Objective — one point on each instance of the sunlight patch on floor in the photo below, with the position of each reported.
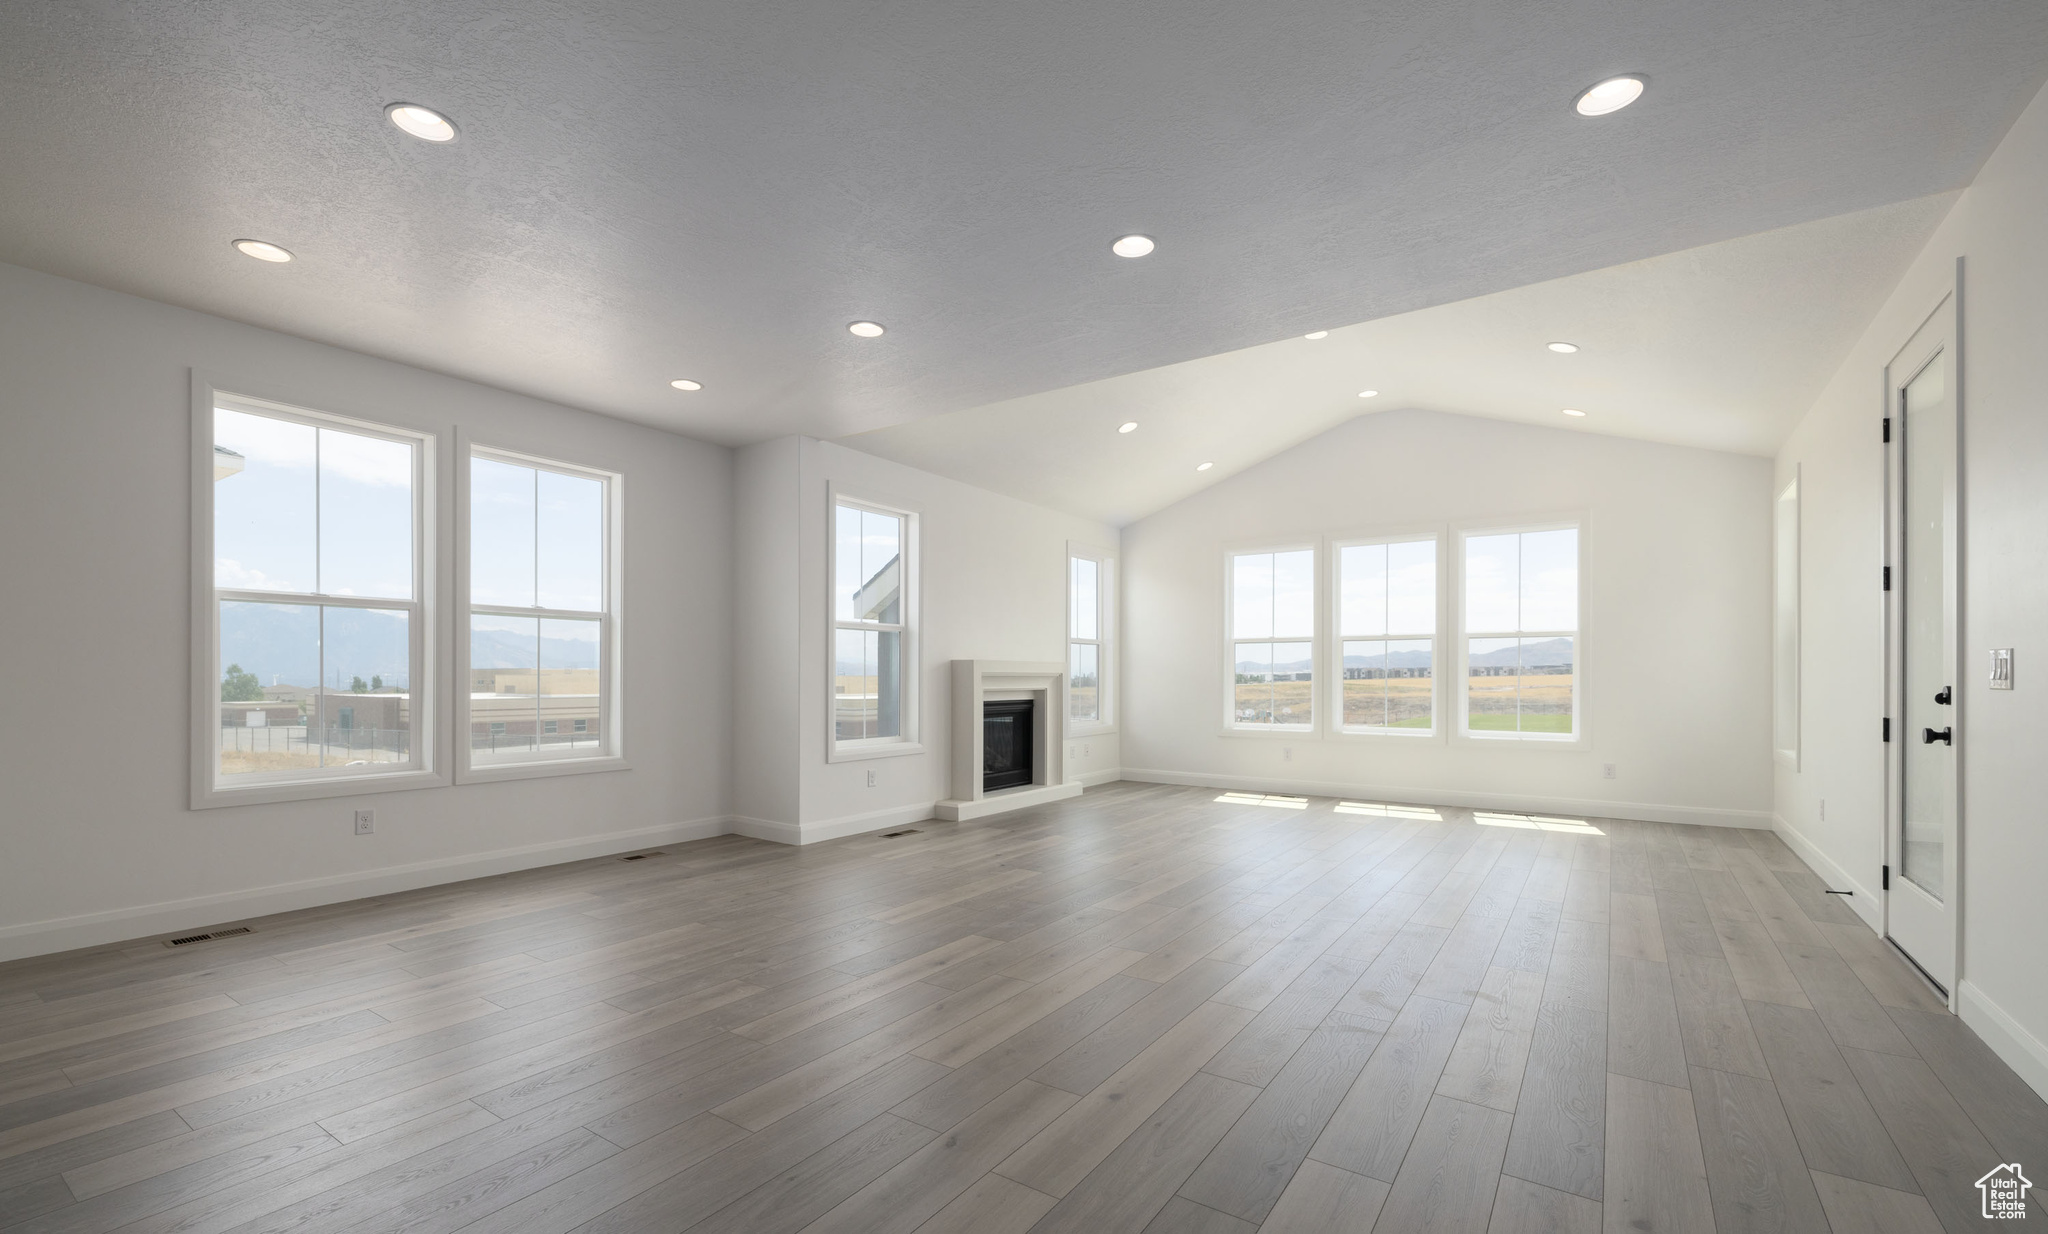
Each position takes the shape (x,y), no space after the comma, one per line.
(1536,822)
(1382,810)
(1277,801)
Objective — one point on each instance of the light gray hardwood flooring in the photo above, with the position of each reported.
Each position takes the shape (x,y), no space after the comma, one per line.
(1150,1009)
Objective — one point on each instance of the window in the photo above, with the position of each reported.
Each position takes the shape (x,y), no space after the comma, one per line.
(872,624)
(1272,640)
(542,628)
(315,627)
(1386,624)
(1089,624)
(1521,633)
(1786,624)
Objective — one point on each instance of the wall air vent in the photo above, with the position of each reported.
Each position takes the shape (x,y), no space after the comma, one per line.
(209,936)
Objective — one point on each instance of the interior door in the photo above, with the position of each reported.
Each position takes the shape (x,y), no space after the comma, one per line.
(1921,904)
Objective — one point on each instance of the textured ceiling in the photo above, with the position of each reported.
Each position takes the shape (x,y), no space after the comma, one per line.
(647,189)
(1723,346)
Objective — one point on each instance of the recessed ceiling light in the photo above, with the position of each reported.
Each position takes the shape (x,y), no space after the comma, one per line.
(684,383)
(422,122)
(1573,411)
(1316,334)
(1203,466)
(1563,349)
(865,329)
(1368,394)
(1607,97)
(1127,426)
(1132,246)
(263,250)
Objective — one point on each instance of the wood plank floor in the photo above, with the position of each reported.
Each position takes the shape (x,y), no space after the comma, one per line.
(1150,1009)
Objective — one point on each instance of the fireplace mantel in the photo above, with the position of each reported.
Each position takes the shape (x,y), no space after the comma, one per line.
(975,681)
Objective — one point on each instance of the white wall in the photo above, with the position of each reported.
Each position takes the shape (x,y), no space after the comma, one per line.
(96,842)
(1996,228)
(992,586)
(1675,565)
(765,637)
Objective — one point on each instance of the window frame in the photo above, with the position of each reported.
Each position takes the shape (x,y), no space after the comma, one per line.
(1334,706)
(908,741)
(611,622)
(1105,639)
(424,768)
(1460,730)
(1315,639)
(1787,586)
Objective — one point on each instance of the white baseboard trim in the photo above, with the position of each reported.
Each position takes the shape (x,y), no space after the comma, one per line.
(1092,778)
(56,934)
(2007,1037)
(872,820)
(766,829)
(1645,811)
(1865,903)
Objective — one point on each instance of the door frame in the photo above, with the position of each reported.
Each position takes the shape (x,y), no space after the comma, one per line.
(1900,369)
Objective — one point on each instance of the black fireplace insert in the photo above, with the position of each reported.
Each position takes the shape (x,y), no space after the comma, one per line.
(1006,743)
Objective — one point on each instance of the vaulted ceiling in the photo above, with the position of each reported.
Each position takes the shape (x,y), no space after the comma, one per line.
(646,189)
(1723,347)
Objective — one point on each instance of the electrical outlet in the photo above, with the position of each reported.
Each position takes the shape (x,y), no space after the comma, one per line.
(871,777)
(1823,809)
(1286,754)
(1607,771)
(1087,751)
(366,822)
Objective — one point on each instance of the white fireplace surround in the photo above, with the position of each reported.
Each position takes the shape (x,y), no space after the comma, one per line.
(977,681)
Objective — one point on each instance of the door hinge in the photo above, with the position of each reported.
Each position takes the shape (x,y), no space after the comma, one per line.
(1887,429)
(1887,578)
(1887,884)
(1887,728)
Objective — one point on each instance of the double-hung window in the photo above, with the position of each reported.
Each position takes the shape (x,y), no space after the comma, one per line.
(1089,579)
(543,634)
(873,614)
(1386,626)
(1521,633)
(1271,641)
(315,631)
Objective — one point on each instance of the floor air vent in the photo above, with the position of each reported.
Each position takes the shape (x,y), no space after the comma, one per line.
(890,835)
(641,856)
(207,937)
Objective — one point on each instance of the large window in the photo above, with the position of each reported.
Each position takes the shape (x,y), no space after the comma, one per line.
(1386,623)
(1521,633)
(872,592)
(541,613)
(1272,640)
(1089,621)
(316,625)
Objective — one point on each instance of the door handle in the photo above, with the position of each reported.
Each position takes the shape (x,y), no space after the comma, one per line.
(1945,736)
(1944,698)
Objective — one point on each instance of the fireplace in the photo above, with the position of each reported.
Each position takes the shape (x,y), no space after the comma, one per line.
(1007,752)
(1006,725)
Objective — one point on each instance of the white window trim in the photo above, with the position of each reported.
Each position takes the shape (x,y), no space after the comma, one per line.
(426,686)
(1462,638)
(1105,640)
(611,632)
(1788,676)
(1228,677)
(1333,549)
(837,751)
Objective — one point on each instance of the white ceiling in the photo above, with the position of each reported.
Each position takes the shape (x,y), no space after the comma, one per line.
(647,189)
(1723,346)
